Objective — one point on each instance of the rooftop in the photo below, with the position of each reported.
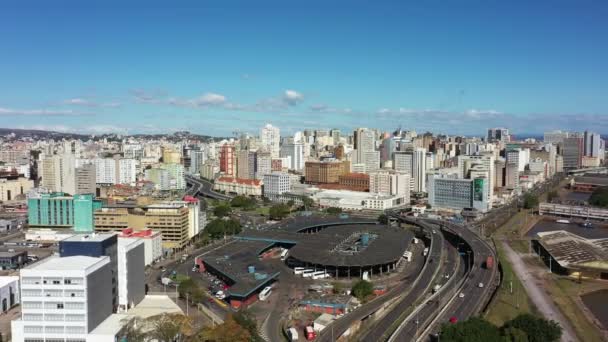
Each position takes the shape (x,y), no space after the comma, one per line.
(5,280)
(153,305)
(571,250)
(601,180)
(72,263)
(94,237)
(254,182)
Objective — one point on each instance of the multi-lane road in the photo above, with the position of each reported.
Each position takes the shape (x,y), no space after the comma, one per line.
(204,188)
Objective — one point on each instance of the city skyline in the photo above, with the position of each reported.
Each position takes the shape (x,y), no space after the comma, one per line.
(212,69)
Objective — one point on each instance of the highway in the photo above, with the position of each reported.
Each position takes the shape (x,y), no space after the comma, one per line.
(204,188)
(475,297)
(413,289)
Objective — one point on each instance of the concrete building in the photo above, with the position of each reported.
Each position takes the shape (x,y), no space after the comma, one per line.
(276,183)
(357,200)
(237,186)
(498,135)
(153,244)
(419,170)
(354,181)
(63,299)
(160,177)
(594,145)
(177,180)
(295,152)
(114,170)
(86,179)
(12,188)
(246,164)
(59,211)
(520,157)
(270,138)
(263,164)
(57,173)
(555,137)
(572,152)
(9,292)
(511,176)
(131,276)
(228,160)
(95,245)
(12,260)
(457,194)
(317,172)
(171,156)
(389,183)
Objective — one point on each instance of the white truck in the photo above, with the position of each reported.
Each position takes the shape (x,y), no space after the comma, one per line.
(425,252)
(408,256)
(293,334)
(415,241)
(436,288)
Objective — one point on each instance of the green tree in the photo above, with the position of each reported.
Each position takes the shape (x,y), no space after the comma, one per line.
(278,212)
(169,327)
(383,219)
(512,334)
(530,201)
(338,288)
(132,330)
(307,201)
(362,289)
(246,319)
(472,330)
(599,197)
(222,210)
(229,331)
(290,203)
(538,329)
(247,203)
(333,210)
(232,227)
(216,228)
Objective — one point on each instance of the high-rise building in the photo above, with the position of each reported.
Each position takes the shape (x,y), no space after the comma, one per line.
(325,171)
(454,193)
(159,177)
(245,162)
(403,161)
(389,145)
(276,183)
(572,152)
(56,210)
(197,158)
(131,275)
(85,179)
(270,138)
(295,151)
(63,299)
(594,145)
(177,180)
(171,156)
(389,183)
(365,145)
(228,160)
(263,164)
(498,135)
(419,170)
(555,137)
(58,173)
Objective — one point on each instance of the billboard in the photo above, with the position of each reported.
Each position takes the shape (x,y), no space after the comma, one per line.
(478,185)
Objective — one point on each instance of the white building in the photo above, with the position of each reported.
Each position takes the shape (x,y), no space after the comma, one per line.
(294,151)
(270,137)
(9,292)
(131,276)
(357,200)
(63,299)
(389,183)
(153,243)
(276,183)
(419,170)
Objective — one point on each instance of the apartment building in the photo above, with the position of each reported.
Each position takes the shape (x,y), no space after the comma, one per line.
(319,172)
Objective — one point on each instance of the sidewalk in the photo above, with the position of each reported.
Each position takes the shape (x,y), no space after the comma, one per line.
(539,297)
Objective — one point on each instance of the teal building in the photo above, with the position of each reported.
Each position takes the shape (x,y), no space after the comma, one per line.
(57,210)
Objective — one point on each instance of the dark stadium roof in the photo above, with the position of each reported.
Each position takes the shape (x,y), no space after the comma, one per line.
(601,180)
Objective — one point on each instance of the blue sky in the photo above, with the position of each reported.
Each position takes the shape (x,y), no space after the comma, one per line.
(214,67)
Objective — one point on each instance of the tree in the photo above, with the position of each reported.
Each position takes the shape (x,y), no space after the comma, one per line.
(362,289)
(245,319)
(599,197)
(222,210)
(278,212)
(290,203)
(169,327)
(307,202)
(530,201)
(338,288)
(333,210)
(247,203)
(383,219)
(512,334)
(537,329)
(472,330)
(220,227)
(229,331)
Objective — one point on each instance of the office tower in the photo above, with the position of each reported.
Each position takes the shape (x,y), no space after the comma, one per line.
(95,245)
(177,179)
(270,138)
(430,161)
(263,164)
(555,137)
(276,183)
(518,156)
(295,151)
(336,135)
(499,173)
(511,176)
(85,179)
(498,135)
(172,220)
(325,171)
(389,183)
(159,177)
(133,151)
(58,173)
(131,276)
(572,152)
(59,211)
(63,299)
(403,161)
(486,162)
(445,191)
(372,161)
(594,145)
(387,148)
(419,170)
(365,143)
(171,156)
(228,160)
(114,170)
(245,164)
(197,158)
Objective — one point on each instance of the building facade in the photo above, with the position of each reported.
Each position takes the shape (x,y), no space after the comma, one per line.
(59,211)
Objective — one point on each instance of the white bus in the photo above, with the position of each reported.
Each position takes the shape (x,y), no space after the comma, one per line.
(265,293)
(284,254)
(320,275)
(298,270)
(307,273)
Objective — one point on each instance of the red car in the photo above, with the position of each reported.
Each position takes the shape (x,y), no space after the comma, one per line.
(453,320)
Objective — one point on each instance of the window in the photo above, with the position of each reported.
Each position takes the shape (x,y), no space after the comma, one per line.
(56,282)
(60,306)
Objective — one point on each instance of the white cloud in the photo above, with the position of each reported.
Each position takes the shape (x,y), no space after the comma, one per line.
(79,101)
(210,99)
(40,112)
(292,97)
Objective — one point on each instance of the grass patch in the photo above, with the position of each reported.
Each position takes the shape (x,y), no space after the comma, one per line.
(520,246)
(563,291)
(262,211)
(507,305)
